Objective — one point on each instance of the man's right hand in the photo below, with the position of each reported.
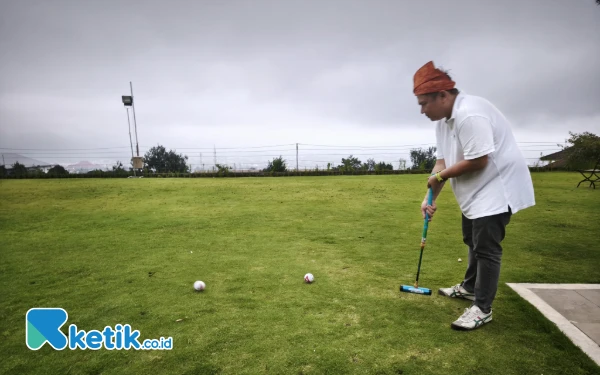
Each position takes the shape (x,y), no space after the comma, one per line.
(430,210)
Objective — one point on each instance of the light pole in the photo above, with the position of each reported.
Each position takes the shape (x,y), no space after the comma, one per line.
(130,142)
(129,102)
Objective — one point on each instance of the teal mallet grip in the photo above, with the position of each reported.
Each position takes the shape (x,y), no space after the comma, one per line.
(426,224)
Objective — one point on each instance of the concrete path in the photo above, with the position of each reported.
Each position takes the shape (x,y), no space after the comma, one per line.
(574,308)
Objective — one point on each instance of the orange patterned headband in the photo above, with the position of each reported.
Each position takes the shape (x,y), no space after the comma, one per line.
(429,79)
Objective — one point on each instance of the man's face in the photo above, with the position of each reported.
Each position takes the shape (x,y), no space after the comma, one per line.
(432,107)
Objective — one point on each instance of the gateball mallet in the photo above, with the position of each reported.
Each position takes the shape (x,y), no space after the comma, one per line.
(416,289)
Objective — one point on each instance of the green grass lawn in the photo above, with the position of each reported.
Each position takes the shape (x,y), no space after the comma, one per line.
(113,251)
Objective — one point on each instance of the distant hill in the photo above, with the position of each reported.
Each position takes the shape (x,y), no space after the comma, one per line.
(12,158)
(81,167)
(84,166)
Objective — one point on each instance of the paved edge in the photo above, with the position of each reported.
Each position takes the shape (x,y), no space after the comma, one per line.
(579,338)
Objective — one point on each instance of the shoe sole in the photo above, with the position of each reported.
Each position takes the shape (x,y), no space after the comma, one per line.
(461,328)
(460,297)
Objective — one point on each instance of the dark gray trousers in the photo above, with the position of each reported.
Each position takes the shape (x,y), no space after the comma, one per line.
(483,236)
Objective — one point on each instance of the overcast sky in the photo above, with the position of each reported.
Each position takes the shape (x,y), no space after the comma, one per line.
(259,73)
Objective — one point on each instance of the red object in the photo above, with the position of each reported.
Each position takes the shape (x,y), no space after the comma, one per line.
(429,79)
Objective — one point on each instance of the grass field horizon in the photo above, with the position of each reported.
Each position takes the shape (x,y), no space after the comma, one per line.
(116,251)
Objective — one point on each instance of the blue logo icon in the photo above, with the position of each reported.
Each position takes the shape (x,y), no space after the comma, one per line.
(43,325)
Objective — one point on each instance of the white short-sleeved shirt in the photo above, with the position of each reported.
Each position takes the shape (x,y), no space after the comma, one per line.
(477,128)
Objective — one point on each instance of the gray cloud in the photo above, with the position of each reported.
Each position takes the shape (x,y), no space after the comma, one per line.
(231,72)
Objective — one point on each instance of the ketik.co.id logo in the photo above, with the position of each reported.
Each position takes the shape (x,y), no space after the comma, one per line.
(43,325)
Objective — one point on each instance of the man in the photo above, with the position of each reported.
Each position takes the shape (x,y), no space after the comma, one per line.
(477,152)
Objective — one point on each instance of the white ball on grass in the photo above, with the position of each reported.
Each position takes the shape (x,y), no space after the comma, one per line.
(460,260)
(309,278)
(199,285)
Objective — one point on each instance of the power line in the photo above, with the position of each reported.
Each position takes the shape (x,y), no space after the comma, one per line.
(251,151)
(69,153)
(289,149)
(541,142)
(60,149)
(422,144)
(228,148)
(251,155)
(530,144)
(112,152)
(114,155)
(145,147)
(82,157)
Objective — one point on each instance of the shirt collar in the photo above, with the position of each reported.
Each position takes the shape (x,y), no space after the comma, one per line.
(457,101)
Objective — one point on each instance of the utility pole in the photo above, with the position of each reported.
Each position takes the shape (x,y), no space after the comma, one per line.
(215,155)
(296,157)
(201,161)
(2,159)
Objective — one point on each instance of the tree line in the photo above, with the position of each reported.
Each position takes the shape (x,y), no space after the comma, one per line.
(582,151)
(159,160)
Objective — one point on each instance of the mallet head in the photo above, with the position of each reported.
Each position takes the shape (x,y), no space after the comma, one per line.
(412,289)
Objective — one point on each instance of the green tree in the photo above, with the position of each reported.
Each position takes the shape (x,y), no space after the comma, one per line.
(582,150)
(36,171)
(119,170)
(96,173)
(350,164)
(19,170)
(222,168)
(158,159)
(57,171)
(369,165)
(423,159)
(2,171)
(276,165)
(383,166)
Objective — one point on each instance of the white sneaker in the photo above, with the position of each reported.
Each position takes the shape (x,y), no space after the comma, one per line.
(456,291)
(471,319)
